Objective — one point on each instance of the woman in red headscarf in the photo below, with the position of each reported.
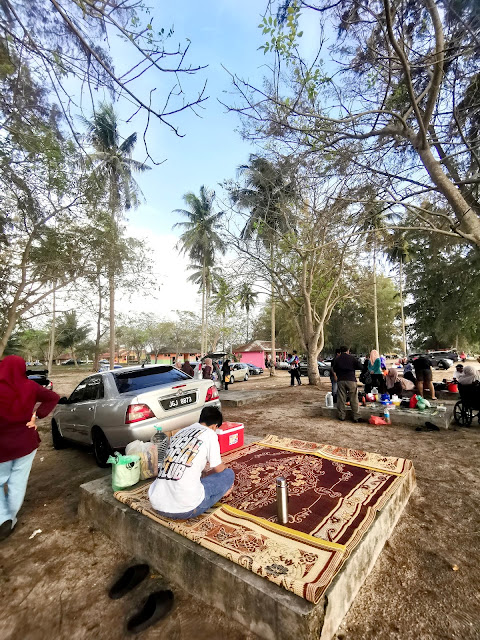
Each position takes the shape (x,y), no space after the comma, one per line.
(19,438)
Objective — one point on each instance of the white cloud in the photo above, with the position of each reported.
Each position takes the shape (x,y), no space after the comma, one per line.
(173,291)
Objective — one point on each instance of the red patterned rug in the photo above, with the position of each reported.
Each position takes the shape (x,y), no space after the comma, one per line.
(334,496)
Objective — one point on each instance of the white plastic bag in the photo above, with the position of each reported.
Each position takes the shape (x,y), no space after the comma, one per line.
(125,470)
(148,454)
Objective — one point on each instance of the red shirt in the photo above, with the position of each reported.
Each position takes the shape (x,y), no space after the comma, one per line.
(16,439)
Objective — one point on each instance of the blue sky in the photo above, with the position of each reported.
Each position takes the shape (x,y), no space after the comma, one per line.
(222,33)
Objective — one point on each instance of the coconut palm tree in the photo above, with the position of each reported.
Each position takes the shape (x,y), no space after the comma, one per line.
(398,254)
(266,193)
(114,168)
(224,301)
(212,275)
(200,239)
(247,299)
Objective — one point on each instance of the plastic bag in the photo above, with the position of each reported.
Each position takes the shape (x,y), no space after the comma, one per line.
(148,453)
(422,403)
(413,402)
(125,470)
(377,420)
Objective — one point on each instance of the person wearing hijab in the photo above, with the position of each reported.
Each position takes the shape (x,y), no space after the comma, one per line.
(226,373)
(207,369)
(469,376)
(375,369)
(19,438)
(187,368)
(397,385)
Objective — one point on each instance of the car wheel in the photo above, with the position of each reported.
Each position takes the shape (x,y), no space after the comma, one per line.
(232,380)
(326,373)
(58,440)
(101,447)
(246,377)
(443,365)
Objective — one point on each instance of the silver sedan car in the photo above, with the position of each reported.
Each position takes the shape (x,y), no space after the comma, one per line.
(111,408)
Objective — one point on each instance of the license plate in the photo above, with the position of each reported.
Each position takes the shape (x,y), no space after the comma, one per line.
(179,401)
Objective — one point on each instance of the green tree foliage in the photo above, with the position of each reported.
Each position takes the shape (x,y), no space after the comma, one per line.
(443,282)
(70,333)
(352,320)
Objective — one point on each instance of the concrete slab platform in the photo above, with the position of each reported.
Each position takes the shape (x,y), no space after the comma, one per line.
(264,608)
(241,398)
(398,417)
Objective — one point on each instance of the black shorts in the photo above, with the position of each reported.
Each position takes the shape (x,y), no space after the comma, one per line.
(424,375)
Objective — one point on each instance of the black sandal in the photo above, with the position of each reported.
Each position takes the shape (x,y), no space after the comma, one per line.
(129,580)
(156,606)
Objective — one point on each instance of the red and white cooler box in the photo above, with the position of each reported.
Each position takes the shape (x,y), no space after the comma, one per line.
(230,436)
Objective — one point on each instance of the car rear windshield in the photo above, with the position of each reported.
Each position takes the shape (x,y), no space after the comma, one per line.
(150,377)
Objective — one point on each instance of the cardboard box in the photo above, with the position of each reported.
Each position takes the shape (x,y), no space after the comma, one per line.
(230,436)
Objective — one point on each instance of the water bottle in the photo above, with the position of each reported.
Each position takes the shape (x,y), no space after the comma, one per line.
(374,392)
(386,414)
(160,440)
(329,399)
(282,501)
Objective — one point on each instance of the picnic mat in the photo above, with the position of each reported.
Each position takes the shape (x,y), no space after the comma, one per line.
(334,496)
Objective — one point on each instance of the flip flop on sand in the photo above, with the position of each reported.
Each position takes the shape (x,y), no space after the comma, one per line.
(129,580)
(156,606)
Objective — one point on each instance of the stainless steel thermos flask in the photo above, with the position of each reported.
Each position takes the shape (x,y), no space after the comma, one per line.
(282,501)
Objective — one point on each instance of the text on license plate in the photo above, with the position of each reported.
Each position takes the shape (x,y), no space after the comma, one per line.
(181,401)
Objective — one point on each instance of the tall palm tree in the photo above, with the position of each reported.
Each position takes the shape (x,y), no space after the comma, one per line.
(200,239)
(212,275)
(114,167)
(374,225)
(247,299)
(224,301)
(398,253)
(266,193)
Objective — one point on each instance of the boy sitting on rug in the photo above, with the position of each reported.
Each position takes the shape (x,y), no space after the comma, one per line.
(179,492)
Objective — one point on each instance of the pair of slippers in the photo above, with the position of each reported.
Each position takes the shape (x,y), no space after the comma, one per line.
(157,605)
(429,426)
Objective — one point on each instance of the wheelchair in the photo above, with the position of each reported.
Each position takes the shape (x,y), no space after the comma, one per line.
(468,407)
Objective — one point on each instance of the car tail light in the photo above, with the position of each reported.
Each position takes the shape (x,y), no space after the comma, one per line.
(212,393)
(137,413)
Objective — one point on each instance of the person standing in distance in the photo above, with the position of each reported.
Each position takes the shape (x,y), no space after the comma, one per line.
(344,367)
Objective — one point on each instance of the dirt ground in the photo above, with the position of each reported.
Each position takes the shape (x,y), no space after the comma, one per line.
(425,584)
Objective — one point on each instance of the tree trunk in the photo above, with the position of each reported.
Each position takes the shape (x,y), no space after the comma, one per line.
(204,287)
(247,324)
(312,359)
(223,341)
(111,288)
(468,219)
(98,337)
(404,338)
(273,352)
(51,346)
(375,310)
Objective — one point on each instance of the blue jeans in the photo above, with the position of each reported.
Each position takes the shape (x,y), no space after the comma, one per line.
(216,486)
(14,473)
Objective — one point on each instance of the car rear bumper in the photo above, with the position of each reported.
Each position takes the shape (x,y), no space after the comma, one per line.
(120,436)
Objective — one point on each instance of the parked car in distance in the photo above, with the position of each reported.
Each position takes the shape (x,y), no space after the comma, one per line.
(239,372)
(281,365)
(106,366)
(40,377)
(323,368)
(72,361)
(112,408)
(439,360)
(451,355)
(253,369)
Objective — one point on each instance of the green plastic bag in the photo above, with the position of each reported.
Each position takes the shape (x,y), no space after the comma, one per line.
(125,470)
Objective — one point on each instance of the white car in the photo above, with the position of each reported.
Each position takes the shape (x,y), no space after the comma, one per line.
(239,372)
(109,409)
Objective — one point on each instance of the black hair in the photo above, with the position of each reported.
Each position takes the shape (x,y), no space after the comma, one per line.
(294,352)
(343,349)
(338,350)
(211,415)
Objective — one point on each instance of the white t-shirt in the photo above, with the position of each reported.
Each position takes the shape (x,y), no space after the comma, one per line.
(177,488)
